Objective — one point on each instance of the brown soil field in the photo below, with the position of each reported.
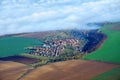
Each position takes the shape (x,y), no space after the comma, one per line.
(38,35)
(70,70)
(115,28)
(11,70)
(20,59)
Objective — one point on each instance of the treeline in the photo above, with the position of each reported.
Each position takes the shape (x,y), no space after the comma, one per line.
(95,39)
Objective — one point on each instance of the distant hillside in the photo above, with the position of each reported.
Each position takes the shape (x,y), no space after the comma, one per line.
(110,50)
(45,34)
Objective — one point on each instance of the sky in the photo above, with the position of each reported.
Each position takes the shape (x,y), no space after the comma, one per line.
(17,16)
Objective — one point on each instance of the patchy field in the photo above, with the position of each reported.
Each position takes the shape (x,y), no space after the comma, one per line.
(70,70)
(11,70)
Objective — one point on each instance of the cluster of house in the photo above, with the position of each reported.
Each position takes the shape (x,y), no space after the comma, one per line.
(53,48)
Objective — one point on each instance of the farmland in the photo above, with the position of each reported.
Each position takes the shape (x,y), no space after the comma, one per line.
(110,50)
(11,70)
(100,58)
(70,70)
(16,45)
(113,74)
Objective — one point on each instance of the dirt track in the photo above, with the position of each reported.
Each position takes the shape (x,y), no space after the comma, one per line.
(70,70)
(11,70)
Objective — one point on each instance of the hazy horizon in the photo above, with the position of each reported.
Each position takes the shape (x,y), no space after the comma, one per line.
(17,16)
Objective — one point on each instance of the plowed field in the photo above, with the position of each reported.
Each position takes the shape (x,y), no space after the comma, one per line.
(70,70)
(11,70)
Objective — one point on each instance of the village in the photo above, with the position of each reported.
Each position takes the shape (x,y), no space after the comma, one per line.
(55,47)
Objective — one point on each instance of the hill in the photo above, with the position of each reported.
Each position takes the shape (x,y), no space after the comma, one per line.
(110,50)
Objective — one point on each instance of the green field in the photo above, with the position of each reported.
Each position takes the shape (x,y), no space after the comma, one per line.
(16,45)
(110,50)
(110,75)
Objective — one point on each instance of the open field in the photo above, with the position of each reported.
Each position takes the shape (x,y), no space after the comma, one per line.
(70,70)
(11,70)
(110,50)
(15,45)
(113,74)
